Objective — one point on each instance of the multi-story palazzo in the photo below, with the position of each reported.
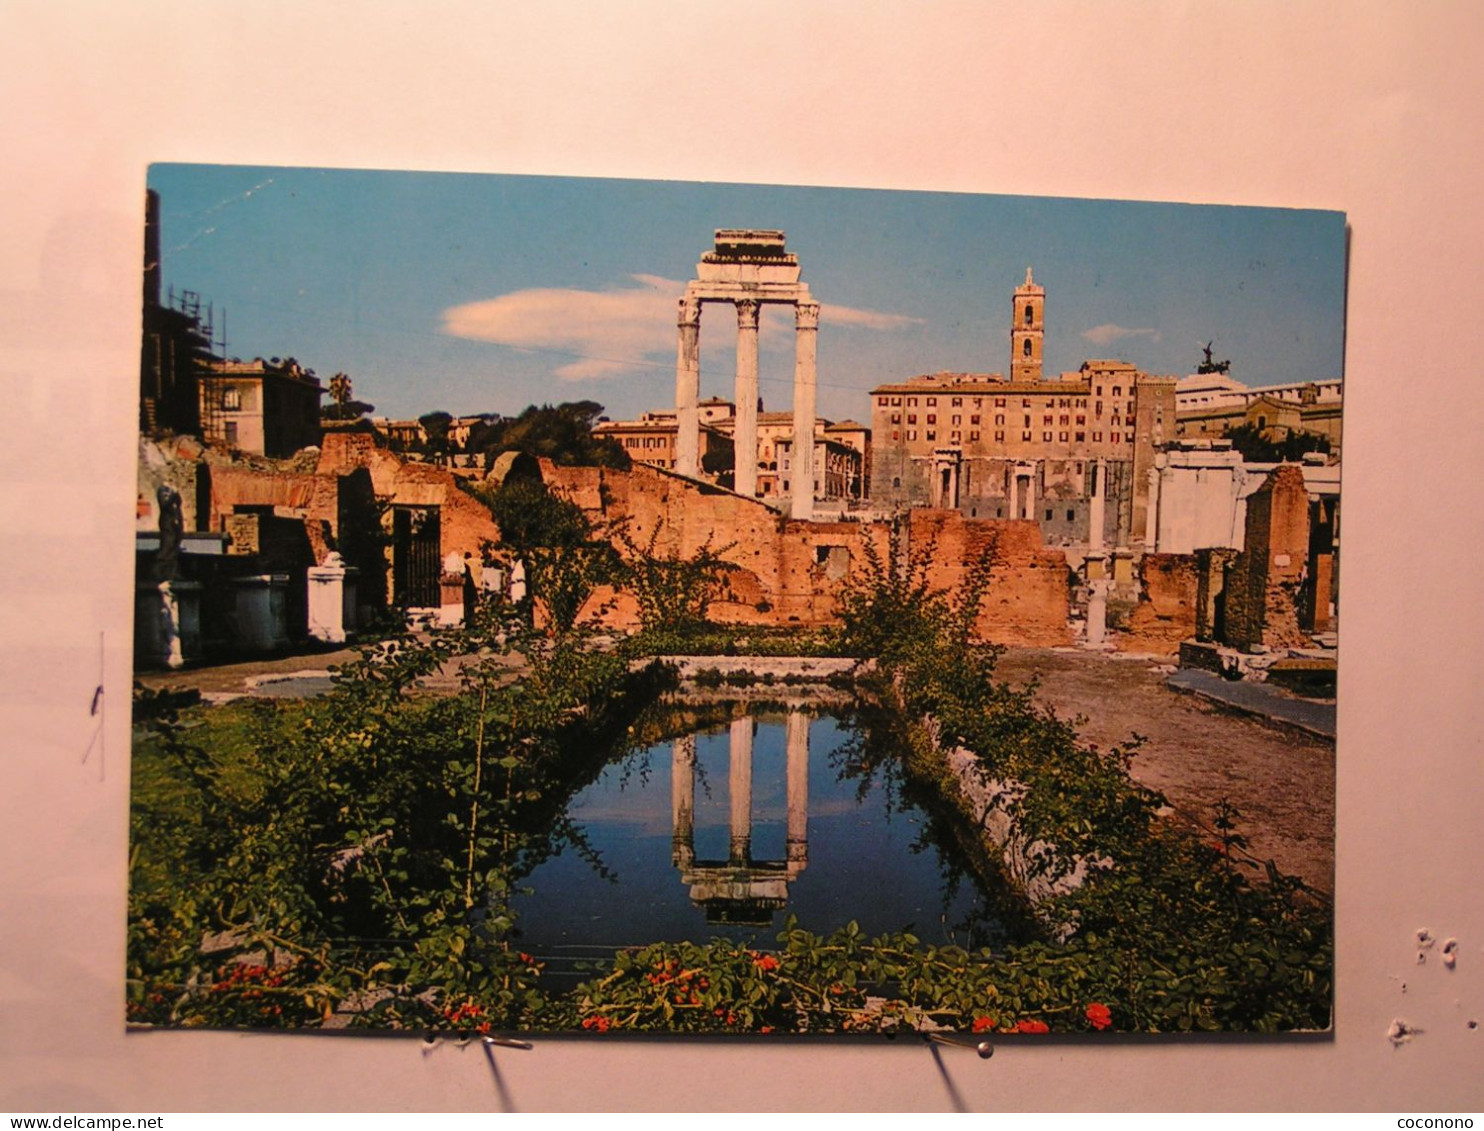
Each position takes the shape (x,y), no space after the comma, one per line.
(1074,452)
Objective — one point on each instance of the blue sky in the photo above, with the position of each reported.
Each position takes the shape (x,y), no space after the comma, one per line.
(475,293)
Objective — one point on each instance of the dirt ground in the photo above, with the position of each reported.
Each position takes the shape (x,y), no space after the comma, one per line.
(1282,780)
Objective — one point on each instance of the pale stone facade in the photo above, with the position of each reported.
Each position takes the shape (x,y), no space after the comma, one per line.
(258,406)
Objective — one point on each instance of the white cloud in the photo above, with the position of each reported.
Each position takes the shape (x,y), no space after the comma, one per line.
(1111,332)
(608,332)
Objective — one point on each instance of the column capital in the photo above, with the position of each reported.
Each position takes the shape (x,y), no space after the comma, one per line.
(806,315)
(690,312)
(747,312)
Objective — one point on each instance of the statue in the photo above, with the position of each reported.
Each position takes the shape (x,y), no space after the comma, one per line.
(172,523)
(1210,366)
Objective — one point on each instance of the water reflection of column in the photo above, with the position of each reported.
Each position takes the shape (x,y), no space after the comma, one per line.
(797,738)
(739,788)
(683,800)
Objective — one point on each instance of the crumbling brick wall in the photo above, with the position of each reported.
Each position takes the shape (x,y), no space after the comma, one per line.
(1263,582)
(787,572)
(1166,610)
(1026,601)
(1211,567)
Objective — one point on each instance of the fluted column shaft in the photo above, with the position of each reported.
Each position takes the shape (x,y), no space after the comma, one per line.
(806,334)
(745,436)
(688,389)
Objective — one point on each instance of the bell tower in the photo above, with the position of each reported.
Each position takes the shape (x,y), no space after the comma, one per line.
(1027,330)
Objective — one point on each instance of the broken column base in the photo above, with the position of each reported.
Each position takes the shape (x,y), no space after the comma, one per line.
(167,623)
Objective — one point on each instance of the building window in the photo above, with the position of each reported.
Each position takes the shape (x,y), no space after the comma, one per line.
(1025,402)
(974,419)
(957,419)
(1046,420)
(999,436)
(932,402)
(932,418)
(896,435)
(896,401)
(912,433)
(1029,314)
(973,436)
(1025,348)
(1081,436)
(1062,437)
(1097,437)
(231,432)
(999,418)
(1048,516)
(896,480)
(231,398)
(1118,390)
(999,402)
(956,437)
(1071,515)
(911,402)
(912,418)
(932,436)
(1025,435)
(896,418)
(958,402)
(1081,420)
(1065,419)
(1130,437)
(1046,437)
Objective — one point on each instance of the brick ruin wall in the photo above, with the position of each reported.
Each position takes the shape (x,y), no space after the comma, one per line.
(1166,611)
(1026,600)
(464,522)
(1263,582)
(792,573)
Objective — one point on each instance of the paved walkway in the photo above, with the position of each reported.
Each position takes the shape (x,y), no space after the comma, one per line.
(1258,699)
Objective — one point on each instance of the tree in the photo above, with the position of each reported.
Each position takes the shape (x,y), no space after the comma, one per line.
(345,406)
(1257,448)
(435,426)
(562,434)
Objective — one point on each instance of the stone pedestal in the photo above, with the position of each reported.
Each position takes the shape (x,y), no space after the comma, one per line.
(332,600)
(451,600)
(262,611)
(167,623)
(1097,613)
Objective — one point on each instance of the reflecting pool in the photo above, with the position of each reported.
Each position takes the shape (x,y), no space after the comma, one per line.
(726,832)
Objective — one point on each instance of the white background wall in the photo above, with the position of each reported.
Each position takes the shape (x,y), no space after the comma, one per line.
(1366,107)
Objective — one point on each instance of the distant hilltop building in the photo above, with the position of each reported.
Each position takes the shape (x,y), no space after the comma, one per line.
(1211,404)
(1074,452)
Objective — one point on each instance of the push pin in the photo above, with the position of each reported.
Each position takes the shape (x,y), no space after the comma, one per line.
(508,1043)
(983,1048)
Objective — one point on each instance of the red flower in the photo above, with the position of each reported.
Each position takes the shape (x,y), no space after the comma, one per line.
(1031,1027)
(597,1024)
(1099,1015)
(766,962)
(983,1024)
